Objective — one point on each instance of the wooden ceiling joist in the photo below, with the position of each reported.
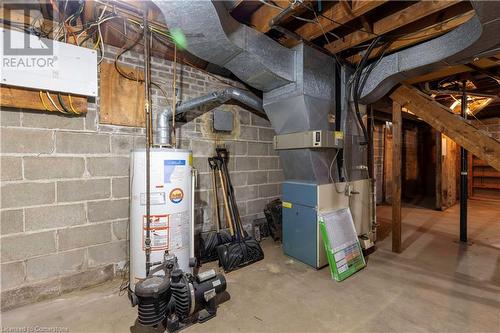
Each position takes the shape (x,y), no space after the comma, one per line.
(417,37)
(390,23)
(338,15)
(261,18)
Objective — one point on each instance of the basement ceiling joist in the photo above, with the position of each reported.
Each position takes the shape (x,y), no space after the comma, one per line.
(349,26)
(345,28)
(389,23)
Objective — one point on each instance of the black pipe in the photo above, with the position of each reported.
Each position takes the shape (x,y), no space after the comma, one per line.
(463,174)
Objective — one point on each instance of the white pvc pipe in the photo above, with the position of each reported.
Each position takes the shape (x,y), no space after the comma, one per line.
(193,186)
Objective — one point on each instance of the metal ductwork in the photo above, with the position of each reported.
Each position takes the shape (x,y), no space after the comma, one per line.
(303,106)
(204,103)
(476,38)
(298,83)
(213,35)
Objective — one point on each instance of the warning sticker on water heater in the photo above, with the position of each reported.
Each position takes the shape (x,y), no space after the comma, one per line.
(159,232)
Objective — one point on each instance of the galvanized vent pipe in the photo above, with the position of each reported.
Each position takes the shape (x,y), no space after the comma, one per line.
(206,102)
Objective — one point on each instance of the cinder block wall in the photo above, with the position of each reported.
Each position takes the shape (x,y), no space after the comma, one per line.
(65,186)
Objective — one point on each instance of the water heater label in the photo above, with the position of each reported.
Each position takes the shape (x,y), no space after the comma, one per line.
(176,195)
(159,232)
(180,230)
(173,170)
(175,162)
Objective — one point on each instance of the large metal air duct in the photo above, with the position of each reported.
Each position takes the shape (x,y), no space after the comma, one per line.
(298,83)
(474,39)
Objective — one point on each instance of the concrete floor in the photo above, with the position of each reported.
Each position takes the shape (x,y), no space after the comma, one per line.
(435,285)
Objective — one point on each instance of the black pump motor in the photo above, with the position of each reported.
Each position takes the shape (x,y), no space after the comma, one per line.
(194,297)
(178,299)
(153,295)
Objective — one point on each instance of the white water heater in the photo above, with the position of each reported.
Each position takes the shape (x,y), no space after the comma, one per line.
(171,209)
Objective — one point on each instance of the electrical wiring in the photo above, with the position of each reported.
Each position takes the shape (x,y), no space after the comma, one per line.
(43,102)
(63,106)
(137,79)
(156,32)
(331,165)
(398,37)
(71,105)
(53,103)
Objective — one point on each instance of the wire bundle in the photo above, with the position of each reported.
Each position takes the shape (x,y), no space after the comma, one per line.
(62,106)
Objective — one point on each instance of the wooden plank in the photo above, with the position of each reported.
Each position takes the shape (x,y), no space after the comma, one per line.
(439,170)
(389,23)
(21,98)
(493,186)
(417,37)
(333,18)
(397,124)
(443,120)
(449,172)
(122,100)
(486,173)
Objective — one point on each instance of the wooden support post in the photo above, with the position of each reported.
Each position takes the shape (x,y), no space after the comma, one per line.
(397,129)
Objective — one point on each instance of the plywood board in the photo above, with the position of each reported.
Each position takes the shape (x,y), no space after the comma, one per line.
(21,98)
(449,173)
(122,100)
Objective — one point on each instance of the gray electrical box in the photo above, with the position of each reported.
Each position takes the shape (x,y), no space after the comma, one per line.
(223,121)
(309,139)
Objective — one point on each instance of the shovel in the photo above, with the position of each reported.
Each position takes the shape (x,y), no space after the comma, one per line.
(209,240)
(242,250)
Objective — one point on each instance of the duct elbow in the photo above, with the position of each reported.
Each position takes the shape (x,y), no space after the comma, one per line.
(246,98)
(163,128)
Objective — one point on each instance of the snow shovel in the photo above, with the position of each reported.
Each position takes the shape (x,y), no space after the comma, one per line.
(242,251)
(209,240)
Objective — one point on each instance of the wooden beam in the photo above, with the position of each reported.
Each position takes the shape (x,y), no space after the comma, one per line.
(261,17)
(27,99)
(417,37)
(389,23)
(443,120)
(335,17)
(397,125)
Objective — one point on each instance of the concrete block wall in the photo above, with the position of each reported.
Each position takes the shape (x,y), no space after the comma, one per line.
(65,186)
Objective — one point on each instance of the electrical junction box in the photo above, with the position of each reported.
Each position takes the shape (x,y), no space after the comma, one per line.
(223,121)
(309,139)
(43,64)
